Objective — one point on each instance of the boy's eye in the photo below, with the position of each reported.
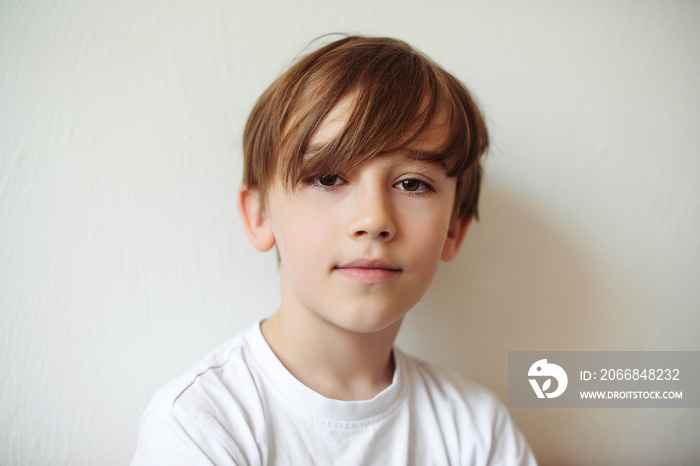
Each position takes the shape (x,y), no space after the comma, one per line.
(327,181)
(414,186)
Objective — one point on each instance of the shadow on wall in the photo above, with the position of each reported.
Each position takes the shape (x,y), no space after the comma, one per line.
(520,283)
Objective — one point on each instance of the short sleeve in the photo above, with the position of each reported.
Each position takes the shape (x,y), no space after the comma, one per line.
(166,440)
(509,446)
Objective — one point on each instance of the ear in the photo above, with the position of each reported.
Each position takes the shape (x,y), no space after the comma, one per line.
(455,236)
(256,226)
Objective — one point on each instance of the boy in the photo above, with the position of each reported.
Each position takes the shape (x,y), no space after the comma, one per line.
(362,165)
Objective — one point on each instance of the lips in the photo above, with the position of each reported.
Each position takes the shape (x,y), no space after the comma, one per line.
(368,270)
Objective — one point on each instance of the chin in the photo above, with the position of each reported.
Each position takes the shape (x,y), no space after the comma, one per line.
(369,322)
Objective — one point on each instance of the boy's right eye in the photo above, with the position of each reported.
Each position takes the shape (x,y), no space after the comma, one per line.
(327,181)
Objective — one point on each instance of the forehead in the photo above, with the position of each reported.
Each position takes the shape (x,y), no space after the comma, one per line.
(332,125)
(432,138)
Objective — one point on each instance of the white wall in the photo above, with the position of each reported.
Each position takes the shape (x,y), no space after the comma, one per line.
(122,259)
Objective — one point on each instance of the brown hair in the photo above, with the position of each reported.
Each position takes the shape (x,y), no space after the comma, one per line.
(396,94)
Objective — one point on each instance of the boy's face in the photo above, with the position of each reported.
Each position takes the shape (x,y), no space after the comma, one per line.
(358,249)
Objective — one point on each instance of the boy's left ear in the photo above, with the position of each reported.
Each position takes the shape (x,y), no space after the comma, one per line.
(455,236)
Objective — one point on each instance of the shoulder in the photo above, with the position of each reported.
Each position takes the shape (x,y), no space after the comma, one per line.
(193,418)
(478,417)
(447,386)
(200,385)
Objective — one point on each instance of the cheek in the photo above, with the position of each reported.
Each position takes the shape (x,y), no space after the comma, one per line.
(426,245)
(306,232)
(428,227)
(430,249)
(428,241)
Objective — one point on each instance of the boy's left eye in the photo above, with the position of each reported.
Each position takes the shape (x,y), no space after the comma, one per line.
(414,186)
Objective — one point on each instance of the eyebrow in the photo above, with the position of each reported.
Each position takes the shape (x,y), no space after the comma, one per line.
(408,153)
(423,156)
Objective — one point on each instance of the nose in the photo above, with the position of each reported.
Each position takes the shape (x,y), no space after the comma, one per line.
(372,216)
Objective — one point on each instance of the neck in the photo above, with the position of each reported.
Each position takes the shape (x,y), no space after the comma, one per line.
(332,361)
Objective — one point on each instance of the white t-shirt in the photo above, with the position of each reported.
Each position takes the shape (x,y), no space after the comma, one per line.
(240,406)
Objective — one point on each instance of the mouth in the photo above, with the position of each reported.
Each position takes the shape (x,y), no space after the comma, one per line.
(368,270)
